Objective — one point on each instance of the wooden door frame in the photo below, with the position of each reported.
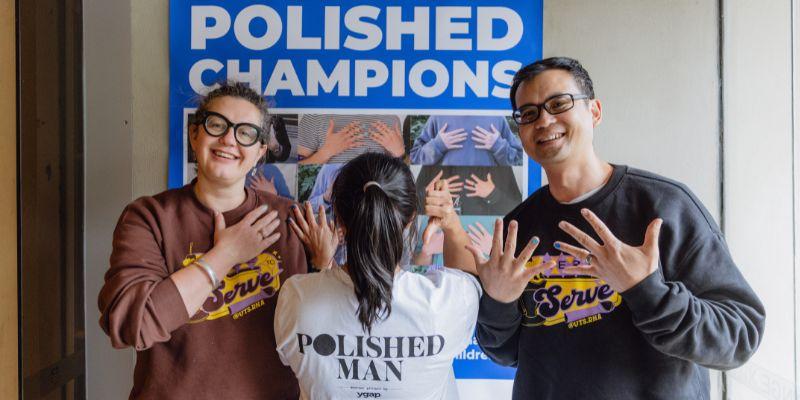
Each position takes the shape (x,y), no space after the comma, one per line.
(9,311)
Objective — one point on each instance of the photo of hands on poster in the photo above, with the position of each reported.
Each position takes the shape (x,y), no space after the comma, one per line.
(460,140)
(334,139)
(475,190)
(429,250)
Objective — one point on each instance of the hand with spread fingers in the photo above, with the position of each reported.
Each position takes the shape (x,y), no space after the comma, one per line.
(483,138)
(260,182)
(319,237)
(503,276)
(481,238)
(337,141)
(476,187)
(622,266)
(452,139)
(390,138)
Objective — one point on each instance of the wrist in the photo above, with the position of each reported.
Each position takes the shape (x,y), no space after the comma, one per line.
(219,260)
(499,297)
(451,223)
(321,263)
(324,154)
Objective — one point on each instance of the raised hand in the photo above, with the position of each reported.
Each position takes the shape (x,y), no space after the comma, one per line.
(480,188)
(248,238)
(452,139)
(439,207)
(503,276)
(390,138)
(260,182)
(483,138)
(338,141)
(620,265)
(318,236)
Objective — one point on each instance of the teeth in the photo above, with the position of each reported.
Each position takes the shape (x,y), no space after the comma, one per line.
(551,137)
(224,155)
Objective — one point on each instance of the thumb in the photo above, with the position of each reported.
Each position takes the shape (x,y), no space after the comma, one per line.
(530,272)
(489,177)
(330,126)
(652,234)
(477,255)
(219,222)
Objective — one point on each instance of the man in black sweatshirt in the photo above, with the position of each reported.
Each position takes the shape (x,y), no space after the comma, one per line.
(626,288)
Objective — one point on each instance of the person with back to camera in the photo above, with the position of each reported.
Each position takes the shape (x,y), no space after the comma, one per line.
(374,327)
(195,271)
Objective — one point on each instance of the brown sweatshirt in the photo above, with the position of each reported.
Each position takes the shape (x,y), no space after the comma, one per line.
(227,349)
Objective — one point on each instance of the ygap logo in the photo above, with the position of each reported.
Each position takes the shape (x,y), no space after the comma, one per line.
(370,358)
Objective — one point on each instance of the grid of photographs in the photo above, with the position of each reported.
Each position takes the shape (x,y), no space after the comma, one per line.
(480,156)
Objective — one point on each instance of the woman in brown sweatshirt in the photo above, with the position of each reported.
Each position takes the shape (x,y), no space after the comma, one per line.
(195,271)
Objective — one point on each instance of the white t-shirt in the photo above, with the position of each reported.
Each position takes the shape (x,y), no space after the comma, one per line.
(407,356)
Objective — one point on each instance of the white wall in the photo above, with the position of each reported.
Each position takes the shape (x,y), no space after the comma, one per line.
(654,67)
(109,167)
(758,184)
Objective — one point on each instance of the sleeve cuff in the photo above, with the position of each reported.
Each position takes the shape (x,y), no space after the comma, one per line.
(169,306)
(499,146)
(492,310)
(438,145)
(646,296)
(493,197)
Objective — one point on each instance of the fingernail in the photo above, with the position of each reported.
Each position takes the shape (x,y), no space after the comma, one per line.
(584,211)
(557,245)
(264,207)
(562,224)
(535,240)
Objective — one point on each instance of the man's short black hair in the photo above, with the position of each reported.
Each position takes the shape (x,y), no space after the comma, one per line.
(570,65)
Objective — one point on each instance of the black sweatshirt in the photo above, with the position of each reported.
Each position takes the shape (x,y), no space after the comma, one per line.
(573,337)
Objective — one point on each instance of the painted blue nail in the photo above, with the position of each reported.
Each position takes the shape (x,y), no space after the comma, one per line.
(557,245)
(535,240)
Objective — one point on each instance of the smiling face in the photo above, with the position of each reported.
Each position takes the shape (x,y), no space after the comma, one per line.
(561,138)
(221,160)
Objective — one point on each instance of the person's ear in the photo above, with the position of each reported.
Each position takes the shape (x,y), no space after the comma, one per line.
(262,150)
(194,130)
(596,108)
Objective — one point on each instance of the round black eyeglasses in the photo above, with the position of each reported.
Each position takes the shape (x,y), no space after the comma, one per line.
(245,133)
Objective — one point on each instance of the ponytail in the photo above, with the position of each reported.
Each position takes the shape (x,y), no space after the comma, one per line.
(374,198)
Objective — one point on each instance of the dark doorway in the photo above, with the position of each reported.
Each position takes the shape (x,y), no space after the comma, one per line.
(50,175)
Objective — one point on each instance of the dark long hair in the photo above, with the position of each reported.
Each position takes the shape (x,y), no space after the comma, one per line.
(374,216)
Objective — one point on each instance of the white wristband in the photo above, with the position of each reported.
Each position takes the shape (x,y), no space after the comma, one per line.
(209,272)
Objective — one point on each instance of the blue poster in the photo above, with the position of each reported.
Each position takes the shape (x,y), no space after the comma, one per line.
(417,69)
